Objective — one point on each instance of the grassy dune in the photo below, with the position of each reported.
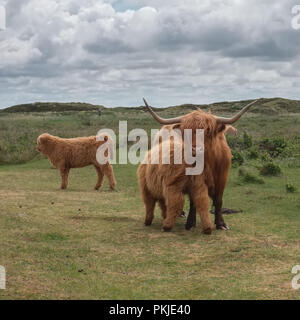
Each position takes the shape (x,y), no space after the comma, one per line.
(83,244)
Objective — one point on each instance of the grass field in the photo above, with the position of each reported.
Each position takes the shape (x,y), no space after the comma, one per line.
(83,244)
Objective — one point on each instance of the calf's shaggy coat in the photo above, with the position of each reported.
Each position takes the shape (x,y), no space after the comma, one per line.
(167,184)
(65,154)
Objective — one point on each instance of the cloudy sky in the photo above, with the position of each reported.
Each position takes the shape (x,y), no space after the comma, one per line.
(114,52)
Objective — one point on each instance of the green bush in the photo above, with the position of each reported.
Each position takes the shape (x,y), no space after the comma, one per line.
(270,169)
(247,177)
(233,142)
(265,157)
(290,188)
(237,158)
(239,143)
(247,141)
(252,153)
(275,147)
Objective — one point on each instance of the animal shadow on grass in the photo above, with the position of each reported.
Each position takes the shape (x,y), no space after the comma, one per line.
(227,211)
(105,218)
(177,230)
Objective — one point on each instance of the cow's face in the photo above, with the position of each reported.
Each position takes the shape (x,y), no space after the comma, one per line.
(42,142)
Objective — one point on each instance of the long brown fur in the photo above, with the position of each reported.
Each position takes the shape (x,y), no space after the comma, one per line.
(216,180)
(65,154)
(167,183)
(154,179)
(217,157)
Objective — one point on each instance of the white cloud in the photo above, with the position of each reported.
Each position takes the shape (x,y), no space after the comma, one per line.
(115,52)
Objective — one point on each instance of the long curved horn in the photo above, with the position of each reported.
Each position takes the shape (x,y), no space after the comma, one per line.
(162,120)
(236,117)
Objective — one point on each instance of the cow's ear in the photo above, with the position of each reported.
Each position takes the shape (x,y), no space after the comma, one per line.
(221,127)
(176,126)
(44,138)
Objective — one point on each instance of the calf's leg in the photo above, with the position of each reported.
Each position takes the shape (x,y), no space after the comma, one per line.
(100,177)
(175,202)
(163,208)
(64,172)
(109,172)
(150,205)
(201,201)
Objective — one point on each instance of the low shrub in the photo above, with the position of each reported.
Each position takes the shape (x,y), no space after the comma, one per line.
(247,177)
(237,158)
(270,169)
(265,157)
(252,153)
(239,143)
(275,147)
(246,141)
(290,188)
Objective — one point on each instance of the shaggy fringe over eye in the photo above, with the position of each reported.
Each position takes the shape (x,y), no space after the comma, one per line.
(201,120)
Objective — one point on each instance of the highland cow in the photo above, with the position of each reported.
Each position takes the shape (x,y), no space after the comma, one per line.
(167,184)
(66,154)
(191,218)
(216,166)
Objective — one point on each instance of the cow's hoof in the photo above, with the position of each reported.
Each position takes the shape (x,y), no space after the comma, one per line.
(189,226)
(222,226)
(207,231)
(148,223)
(167,228)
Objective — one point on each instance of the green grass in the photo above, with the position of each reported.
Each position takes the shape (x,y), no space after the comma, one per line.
(83,244)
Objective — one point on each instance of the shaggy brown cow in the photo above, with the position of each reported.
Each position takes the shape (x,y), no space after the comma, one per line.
(217,154)
(65,154)
(191,218)
(167,183)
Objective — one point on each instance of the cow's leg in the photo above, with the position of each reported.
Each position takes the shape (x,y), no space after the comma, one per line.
(163,208)
(201,201)
(175,202)
(100,177)
(109,172)
(64,172)
(150,205)
(149,202)
(217,197)
(219,221)
(191,219)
